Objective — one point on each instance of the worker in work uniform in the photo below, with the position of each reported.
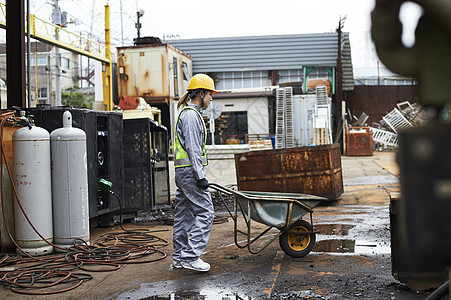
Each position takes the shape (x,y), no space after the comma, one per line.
(194,213)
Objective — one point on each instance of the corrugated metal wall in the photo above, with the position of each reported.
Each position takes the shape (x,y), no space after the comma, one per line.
(244,62)
(253,53)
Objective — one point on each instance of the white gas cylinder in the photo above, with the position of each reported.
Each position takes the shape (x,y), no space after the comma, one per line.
(32,181)
(69,184)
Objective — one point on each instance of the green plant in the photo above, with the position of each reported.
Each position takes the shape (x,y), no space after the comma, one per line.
(71,97)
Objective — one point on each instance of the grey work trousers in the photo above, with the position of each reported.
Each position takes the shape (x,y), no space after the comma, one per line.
(193,217)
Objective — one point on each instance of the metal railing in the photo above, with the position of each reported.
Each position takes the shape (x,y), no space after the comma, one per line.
(60,37)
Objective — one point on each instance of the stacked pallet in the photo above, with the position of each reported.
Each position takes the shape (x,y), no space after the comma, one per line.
(284,118)
(312,118)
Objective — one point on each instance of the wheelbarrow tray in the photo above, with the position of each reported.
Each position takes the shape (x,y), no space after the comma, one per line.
(279,210)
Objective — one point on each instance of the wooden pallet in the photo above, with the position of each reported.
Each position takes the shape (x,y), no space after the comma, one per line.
(320,136)
(256,136)
(260,144)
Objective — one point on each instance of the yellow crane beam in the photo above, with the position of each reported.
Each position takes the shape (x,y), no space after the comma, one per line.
(55,35)
(108,74)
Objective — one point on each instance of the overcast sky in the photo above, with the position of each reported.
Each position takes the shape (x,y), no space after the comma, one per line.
(203,19)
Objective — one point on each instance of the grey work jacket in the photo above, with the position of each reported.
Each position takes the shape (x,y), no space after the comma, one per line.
(190,131)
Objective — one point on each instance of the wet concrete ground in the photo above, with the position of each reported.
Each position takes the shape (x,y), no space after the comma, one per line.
(351,259)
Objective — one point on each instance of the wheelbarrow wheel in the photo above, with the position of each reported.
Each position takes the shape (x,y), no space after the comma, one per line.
(296,244)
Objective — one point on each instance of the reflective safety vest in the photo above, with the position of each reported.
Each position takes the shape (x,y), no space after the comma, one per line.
(181,156)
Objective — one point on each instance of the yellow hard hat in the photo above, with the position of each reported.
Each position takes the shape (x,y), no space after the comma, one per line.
(202,81)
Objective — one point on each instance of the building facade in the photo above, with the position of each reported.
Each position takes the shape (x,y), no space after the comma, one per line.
(44,69)
(246,71)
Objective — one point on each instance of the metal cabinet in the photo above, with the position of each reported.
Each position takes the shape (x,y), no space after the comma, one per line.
(146,164)
(104,152)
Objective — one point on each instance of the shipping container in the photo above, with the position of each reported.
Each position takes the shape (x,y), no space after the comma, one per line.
(159,73)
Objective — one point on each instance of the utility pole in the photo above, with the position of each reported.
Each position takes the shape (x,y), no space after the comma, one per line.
(90,36)
(339,84)
(56,19)
(139,14)
(122,25)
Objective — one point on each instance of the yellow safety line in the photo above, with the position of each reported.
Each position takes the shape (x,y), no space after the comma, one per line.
(277,263)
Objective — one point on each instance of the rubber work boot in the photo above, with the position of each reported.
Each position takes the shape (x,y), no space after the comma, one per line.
(197,265)
(176,264)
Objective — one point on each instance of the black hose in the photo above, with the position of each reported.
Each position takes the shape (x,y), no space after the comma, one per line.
(440,292)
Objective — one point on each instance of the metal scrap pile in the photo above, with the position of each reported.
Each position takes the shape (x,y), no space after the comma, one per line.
(406,115)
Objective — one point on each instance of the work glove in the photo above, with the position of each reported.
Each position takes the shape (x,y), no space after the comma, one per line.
(202,183)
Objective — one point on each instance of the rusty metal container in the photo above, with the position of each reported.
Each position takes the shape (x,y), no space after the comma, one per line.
(158,73)
(312,170)
(359,141)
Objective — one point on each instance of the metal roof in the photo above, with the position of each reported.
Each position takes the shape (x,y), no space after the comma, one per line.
(253,53)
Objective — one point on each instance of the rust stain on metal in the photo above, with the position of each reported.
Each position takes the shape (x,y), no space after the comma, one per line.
(122,74)
(312,170)
(164,83)
(147,94)
(145,89)
(146,71)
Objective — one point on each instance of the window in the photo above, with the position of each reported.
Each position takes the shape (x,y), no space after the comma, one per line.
(185,71)
(65,63)
(42,93)
(236,125)
(176,75)
(289,76)
(76,69)
(246,79)
(42,61)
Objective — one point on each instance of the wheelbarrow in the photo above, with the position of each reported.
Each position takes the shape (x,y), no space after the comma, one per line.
(283,211)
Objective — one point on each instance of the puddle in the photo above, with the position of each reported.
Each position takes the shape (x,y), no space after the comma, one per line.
(337,246)
(334,229)
(352,246)
(191,295)
(186,285)
(327,239)
(370,180)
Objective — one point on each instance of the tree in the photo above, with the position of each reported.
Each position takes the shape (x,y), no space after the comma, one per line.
(71,97)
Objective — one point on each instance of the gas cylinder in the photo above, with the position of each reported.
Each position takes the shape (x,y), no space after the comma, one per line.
(32,181)
(69,184)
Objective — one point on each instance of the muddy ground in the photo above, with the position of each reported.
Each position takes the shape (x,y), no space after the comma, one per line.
(351,258)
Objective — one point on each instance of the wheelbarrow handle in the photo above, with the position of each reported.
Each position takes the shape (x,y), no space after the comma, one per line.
(221,188)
